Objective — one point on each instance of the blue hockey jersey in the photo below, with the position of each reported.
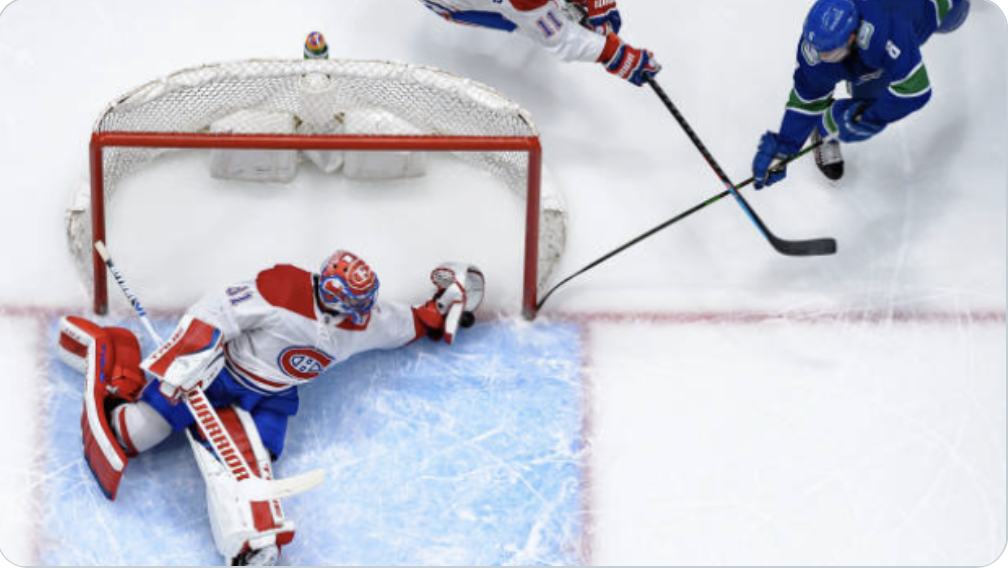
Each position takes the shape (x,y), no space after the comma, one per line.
(884,67)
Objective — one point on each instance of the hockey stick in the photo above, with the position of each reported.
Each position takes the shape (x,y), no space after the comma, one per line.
(210,425)
(679,217)
(811,247)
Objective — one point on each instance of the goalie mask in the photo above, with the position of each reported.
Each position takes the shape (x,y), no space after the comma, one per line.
(347,285)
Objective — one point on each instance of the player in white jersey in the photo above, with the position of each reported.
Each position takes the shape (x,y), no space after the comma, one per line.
(573,30)
(247,348)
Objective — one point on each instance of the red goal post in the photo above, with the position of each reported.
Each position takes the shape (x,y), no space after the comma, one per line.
(323,105)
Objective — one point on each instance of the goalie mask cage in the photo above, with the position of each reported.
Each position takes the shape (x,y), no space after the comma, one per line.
(406,108)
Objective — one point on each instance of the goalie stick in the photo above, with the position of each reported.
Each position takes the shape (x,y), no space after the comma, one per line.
(811,247)
(210,425)
(665,224)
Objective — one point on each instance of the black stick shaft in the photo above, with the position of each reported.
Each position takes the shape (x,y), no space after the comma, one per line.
(812,247)
(708,157)
(664,225)
(690,132)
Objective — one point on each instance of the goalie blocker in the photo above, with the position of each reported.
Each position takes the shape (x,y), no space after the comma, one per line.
(245,530)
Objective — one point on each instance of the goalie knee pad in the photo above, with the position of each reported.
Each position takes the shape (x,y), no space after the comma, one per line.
(242,528)
(110,361)
(138,427)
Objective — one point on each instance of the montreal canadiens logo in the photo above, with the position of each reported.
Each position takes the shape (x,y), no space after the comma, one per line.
(359,274)
(303,363)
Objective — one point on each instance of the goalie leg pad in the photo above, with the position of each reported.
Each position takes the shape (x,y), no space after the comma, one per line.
(240,526)
(109,359)
(271,411)
(138,427)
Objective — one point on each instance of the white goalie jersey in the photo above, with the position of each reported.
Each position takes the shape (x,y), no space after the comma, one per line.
(275,335)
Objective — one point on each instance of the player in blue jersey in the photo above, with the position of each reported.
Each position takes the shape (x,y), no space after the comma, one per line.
(573,30)
(873,45)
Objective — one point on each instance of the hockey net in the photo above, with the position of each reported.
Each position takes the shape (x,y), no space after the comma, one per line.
(326,106)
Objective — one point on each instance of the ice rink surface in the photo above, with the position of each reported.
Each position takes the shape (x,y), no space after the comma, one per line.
(697,400)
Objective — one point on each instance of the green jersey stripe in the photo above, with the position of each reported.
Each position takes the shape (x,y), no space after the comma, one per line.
(798,104)
(913,85)
(942,7)
(831,126)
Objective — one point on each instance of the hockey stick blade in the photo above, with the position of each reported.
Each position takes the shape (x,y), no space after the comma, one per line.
(809,247)
(812,247)
(258,489)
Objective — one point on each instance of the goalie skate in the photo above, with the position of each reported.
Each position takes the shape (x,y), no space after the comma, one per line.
(266,556)
(828,157)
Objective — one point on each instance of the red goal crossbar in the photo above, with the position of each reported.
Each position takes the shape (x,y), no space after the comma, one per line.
(529,145)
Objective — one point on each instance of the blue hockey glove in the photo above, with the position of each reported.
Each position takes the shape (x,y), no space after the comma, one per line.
(843,120)
(771,148)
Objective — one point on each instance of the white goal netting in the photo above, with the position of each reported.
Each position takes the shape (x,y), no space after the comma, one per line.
(302,101)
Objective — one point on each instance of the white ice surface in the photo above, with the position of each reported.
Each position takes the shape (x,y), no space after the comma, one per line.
(763,410)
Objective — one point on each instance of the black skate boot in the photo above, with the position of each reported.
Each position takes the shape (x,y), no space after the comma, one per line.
(828,157)
(265,556)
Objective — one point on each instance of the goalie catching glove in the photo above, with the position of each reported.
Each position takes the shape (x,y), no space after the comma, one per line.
(459,293)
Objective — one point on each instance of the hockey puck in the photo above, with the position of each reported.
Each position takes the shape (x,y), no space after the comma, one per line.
(467,319)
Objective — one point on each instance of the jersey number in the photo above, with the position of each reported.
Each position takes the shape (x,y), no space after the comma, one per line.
(238,294)
(549,24)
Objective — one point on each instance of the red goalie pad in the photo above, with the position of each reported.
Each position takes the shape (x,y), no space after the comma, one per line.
(110,361)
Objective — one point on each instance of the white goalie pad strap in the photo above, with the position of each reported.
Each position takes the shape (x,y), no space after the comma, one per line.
(74,342)
(239,524)
(191,358)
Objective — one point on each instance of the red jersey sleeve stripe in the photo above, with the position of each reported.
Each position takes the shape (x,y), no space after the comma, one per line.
(528,5)
(288,287)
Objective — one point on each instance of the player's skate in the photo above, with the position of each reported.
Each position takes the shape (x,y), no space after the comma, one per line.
(828,157)
(266,556)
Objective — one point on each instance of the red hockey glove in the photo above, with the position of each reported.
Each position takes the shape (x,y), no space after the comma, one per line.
(602,15)
(623,60)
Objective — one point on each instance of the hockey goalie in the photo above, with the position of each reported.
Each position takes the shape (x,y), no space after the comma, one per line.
(229,375)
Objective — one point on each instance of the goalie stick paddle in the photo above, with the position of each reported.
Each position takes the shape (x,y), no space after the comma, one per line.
(811,247)
(210,425)
(665,224)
